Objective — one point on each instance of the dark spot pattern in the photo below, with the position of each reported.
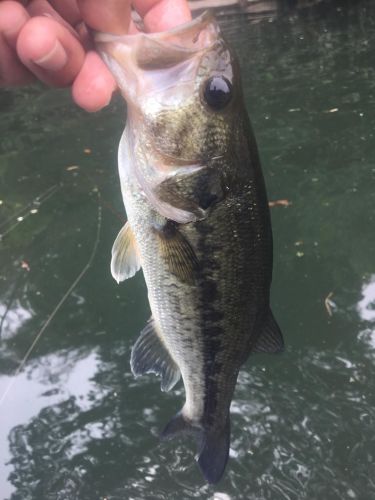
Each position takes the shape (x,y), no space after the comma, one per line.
(212,318)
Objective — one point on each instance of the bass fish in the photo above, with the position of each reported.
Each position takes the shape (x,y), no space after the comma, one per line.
(198,222)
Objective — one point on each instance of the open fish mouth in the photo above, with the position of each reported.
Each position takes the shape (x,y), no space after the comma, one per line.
(177,51)
(173,45)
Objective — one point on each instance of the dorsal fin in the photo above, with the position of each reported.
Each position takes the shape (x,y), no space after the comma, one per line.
(271,339)
(149,355)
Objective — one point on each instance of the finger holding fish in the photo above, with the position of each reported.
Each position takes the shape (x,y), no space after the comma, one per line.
(48,40)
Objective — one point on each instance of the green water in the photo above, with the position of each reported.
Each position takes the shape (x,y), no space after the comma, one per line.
(74,423)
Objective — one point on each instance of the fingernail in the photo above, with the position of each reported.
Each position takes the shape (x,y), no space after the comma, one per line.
(55,59)
(99,88)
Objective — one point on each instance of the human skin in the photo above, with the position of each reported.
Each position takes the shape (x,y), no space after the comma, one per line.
(49,41)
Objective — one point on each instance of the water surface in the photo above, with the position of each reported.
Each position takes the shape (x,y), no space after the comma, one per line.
(74,423)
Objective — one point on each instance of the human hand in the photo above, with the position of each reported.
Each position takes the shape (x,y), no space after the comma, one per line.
(49,41)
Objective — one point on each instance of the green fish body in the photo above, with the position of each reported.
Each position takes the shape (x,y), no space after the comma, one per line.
(198,223)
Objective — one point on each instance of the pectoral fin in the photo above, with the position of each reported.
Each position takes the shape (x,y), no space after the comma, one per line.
(149,355)
(169,192)
(177,252)
(192,190)
(271,339)
(125,257)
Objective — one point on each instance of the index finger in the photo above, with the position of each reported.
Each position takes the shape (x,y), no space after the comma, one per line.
(113,16)
(161,15)
(108,16)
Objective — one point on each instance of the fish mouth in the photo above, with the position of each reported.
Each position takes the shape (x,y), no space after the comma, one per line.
(131,57)
(183,40)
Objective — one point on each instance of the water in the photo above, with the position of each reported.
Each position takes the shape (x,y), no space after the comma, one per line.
(75,424)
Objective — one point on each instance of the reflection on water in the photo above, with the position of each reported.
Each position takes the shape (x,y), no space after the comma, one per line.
(366,311)
(76,424)
(51,381)
(366,306)
(13,317)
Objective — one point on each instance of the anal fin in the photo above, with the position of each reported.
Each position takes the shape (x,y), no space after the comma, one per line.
(125,257)
(271,339)
(149,355)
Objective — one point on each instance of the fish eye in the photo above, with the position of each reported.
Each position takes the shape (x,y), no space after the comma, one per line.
(217,92)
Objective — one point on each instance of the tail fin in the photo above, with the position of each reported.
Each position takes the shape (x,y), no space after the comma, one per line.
(213,456)
(213,445)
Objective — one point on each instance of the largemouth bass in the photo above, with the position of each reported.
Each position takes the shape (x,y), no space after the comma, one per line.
(198,222)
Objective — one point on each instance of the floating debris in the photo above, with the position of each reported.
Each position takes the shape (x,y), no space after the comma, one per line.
(298,243)
(87,151)
(300,254)
(332,110)
(25,265)
(280,203)
(74,167)
(329,304)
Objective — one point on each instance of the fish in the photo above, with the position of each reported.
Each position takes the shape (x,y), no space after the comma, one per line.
(198,223)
